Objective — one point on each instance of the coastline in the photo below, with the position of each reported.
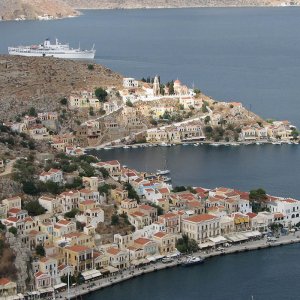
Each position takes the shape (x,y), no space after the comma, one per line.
(183,7)
(88,288)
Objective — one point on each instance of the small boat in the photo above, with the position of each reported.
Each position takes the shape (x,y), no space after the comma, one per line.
(276,143)
(167,260)
(257,143)
(196,145)
(193,260)
(165,145)
(162,172)
(107,148)
(166,179)
(234,144)
(126,147)
(185,144)
(215,144)
(134,147)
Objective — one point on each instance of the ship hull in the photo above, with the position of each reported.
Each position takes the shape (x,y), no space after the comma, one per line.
(78,55)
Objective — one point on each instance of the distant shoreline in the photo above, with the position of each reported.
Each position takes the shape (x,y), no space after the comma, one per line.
(183,7)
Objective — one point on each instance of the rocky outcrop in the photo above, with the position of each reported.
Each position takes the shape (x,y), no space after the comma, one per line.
(31,9)
(42,82)
(22,260)
(128,4)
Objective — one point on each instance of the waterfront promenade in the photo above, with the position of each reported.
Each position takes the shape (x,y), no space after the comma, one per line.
(132,272)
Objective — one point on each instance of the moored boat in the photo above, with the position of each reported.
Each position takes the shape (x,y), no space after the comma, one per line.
(192,260)
(162,172)
(57,50)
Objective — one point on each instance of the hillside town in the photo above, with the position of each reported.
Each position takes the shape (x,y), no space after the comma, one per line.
(82,219)
(150,112)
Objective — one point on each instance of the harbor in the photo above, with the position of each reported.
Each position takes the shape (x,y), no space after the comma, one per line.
(121,276)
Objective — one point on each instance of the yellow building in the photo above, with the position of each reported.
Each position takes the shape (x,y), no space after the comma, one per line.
(79,257)
(166,242)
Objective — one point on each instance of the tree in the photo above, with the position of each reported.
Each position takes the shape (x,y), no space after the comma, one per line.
(101,94)
(115,219)
(90,67)
(13,230)
(129,103)
(30,188)
(64,101)
(132,194)
(72,213)
(32,112)
(186,245)
(91,111)
(104,172)
(257,197)
(2,227)
(34,208)
(204,108)
(79,226)
(207,119)
(40,250)
(197,92)
(177,189)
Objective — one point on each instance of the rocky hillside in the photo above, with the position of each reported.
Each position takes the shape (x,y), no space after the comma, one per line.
(127,4)
(42,82)
(31,9)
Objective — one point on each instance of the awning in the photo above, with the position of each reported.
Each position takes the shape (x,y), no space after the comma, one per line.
(91,274)
(46,290)
(206,245)
(155,257)
(174,254)
(236,237)
(218,240)
(251,234)
(60,285)
(15,297)
(112,269)
(104,271)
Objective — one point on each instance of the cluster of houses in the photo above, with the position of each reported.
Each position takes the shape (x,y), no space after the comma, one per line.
(277,130)
(209,216)
(37,127)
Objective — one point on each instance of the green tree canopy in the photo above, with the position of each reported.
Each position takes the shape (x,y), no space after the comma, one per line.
(34,208)
(40,250)
(101,94)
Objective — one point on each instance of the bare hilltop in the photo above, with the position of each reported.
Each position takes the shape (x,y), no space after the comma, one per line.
(32,9)
(131,4)
(43,82)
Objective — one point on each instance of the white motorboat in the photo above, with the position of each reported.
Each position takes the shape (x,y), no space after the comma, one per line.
(162,172)
(193,260)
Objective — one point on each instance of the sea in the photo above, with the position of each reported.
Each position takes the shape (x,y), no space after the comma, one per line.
(249,55)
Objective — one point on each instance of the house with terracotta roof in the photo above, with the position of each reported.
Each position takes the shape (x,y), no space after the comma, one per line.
(166,242)
(48,265)
(171,222)
(123,240)
(149,247)
(78,238)
(79,257)
(112,166)
(241,221)
(201,227)
(119,195)
(12,202)
(51,204)
(89,194)
(163,203)
(63,227)
(128,206)
(42,280)
(118,258)
(69,200)
(18,213)
(54,175)
(149,211)
(139,219)
(7,288)
(227,224)
(289,208)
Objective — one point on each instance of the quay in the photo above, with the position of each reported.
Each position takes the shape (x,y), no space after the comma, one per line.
(127,274)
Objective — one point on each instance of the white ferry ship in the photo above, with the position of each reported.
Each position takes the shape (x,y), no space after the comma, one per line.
(53,50)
